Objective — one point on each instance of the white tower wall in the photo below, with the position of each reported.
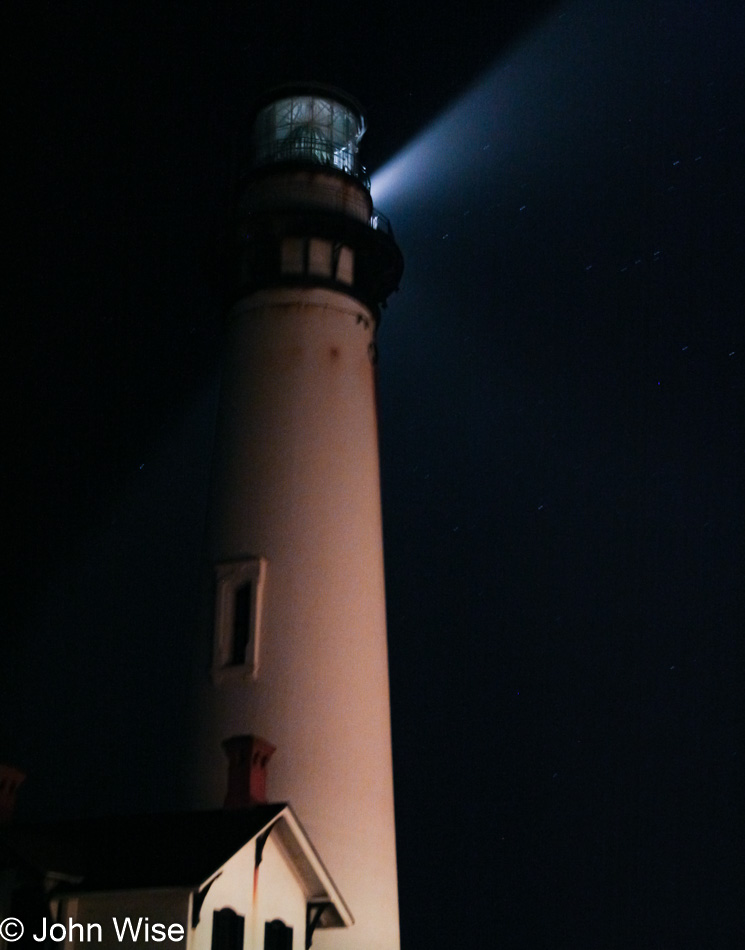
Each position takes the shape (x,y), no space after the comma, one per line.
(296,484)
(297,480)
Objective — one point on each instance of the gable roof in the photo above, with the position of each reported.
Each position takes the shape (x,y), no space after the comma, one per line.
(138,852)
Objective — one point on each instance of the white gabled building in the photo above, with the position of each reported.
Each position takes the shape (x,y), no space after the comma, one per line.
(239,878)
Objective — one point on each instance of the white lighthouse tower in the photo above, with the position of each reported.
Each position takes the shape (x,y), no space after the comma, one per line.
(295,537)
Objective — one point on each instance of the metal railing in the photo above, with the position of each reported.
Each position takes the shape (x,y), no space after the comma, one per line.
(379,222)
(312,149)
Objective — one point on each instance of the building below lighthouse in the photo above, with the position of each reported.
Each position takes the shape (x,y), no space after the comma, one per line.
(242,877)
(298,642)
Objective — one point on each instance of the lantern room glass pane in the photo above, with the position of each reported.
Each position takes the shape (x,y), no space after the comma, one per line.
(309,129)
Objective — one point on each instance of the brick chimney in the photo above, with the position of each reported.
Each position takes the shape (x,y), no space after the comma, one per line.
(10,779)
(247,761)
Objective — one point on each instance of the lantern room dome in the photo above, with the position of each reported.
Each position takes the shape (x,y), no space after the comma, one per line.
(308,123)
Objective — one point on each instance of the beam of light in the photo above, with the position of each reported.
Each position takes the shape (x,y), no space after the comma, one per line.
(448,146)
(503,119)
(481,126)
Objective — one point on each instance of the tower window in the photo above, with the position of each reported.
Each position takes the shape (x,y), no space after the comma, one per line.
(319,257)
(292,255)
(344,264)
(241,623)
(238,602)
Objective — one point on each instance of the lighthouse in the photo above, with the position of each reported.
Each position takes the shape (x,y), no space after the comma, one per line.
(298,652)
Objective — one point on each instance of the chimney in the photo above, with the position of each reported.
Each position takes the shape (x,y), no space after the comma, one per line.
(10,779)
(247,761)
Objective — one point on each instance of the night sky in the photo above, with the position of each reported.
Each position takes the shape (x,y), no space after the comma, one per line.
(561,395)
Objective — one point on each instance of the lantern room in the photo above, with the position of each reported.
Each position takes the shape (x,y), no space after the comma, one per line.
(309,123)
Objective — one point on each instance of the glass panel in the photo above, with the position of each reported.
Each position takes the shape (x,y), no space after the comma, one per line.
(227,930)
(277,936)
(241,624)
(308,128)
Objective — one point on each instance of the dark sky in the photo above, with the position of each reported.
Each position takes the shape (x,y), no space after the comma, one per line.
(562,434)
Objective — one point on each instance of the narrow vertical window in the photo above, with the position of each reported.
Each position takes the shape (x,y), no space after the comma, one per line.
(344,257)
(238,603)
(319,257)
(277,935)
(227,930)
(292,255)
(242,612)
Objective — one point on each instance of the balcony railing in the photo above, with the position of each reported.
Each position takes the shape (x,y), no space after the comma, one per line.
(379,222)
(311,148)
